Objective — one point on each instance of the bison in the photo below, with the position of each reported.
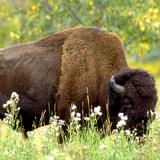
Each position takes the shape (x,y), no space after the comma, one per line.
(69,66)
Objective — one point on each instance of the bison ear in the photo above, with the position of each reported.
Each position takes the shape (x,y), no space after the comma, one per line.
(116,87)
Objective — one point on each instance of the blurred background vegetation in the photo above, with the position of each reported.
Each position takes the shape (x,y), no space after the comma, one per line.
(137,22)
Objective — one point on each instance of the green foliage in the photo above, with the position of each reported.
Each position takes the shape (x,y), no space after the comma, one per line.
(136,22)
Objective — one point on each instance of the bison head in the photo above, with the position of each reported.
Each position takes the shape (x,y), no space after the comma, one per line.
(133,93)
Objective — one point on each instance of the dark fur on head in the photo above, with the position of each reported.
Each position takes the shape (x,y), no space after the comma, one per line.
(138,101)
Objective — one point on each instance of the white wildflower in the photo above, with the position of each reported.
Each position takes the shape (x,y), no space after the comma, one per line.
(51,119)
(102,146)
(78,126)
(97,110)
(14,95)
(61,122)
(125,118)
(77,119)
(115,131)
(86,118)
(74,107)
(135,129)
(78,115)
(73,114)
(57,124)
(120,115)
(128,132)
(8,115)
(9,103)
(99,113)
(57,128)
(121,123)
(138,139)
(18,109)
(56,117)
(4,106)
(92,114)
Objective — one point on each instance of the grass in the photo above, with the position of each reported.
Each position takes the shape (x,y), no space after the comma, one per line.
(88,144)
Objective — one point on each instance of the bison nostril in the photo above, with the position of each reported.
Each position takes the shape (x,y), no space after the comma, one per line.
(127,103)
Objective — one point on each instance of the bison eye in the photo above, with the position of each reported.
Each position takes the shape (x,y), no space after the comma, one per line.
(127,103)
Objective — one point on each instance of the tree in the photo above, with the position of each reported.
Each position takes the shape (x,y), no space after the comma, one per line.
(137,22)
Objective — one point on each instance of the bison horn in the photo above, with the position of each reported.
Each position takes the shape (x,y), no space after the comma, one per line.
(116,87)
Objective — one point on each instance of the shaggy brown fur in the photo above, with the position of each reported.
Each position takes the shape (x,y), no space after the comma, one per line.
(61,68)
(90,57)
(137,102)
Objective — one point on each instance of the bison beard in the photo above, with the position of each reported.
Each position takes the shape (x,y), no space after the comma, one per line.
(61,68)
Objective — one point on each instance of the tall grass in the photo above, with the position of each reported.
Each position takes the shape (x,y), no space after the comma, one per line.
(86,144)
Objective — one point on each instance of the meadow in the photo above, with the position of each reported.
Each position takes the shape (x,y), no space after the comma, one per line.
(86,144)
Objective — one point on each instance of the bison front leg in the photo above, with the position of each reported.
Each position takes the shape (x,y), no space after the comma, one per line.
(63,103)
(32,113)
